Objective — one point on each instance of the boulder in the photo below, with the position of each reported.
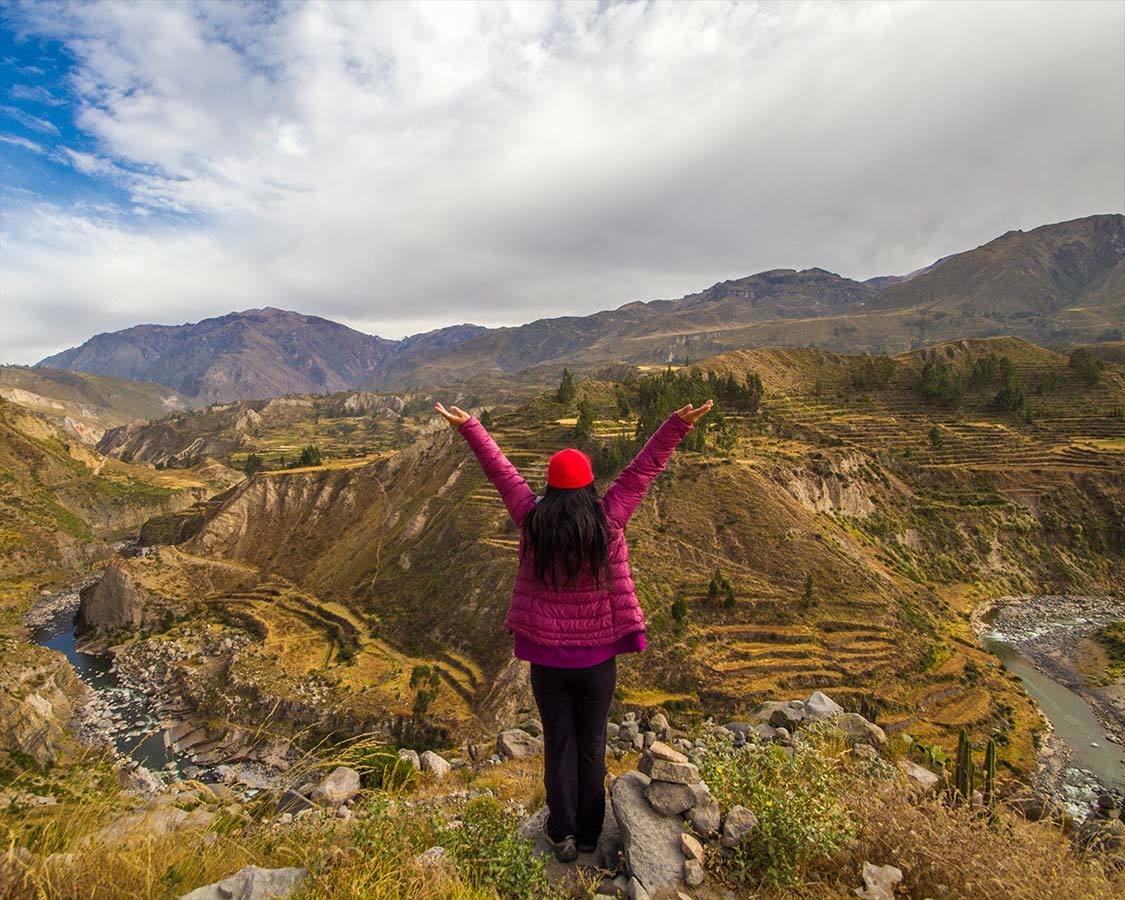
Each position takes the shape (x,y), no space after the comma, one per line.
(786,717)
(857,730)
(434,764)
(251,883)
(292,801)
(659,724)
(739,823)
(340,786)
(705,818)
(693,873)
(670,799)
(879,882)
(652,842)
(918,775)
(660,750)
(411,756)
(515,743)
(763,711)
(668,770)
(820,707)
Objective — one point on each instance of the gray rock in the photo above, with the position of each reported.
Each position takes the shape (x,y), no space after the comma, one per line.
(787,717)
(918,775)
(434,856)
(436,765)
(857,730)
(251,883)
(611,731)
(660,750)
(628,732)
(517,744)
(691,847)
(705,818)
(879,882)
(292,801)
(670,799)
(340,785)
(659,724)
(723,733)
(693,873)
(636,890)
(615,888)
(411,756)
(533,727)
(739,823)
(765,733)
(648,738)
(820,707)
(668,770)
(652,841)
(763,711)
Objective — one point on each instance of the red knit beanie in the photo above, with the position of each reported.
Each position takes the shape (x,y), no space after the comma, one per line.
(569,469)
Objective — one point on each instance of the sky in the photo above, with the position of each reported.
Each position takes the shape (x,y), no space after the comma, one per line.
(404,166)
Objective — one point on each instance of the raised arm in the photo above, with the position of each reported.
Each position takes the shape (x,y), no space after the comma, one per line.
(630,487)
(517,496)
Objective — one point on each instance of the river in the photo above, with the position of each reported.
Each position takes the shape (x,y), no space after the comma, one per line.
(1095,763)
(117,713)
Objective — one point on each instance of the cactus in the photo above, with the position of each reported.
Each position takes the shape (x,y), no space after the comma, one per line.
(963,774)
(990,773)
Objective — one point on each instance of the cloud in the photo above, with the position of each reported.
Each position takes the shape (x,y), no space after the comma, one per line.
(17,141)
(29,121)
(400,166)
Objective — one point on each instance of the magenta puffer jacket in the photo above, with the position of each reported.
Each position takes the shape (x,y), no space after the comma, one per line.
(583,614)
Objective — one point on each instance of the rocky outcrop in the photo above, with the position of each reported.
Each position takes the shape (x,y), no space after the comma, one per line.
(251,883)
(653,852)
(341,784)
(38,696)
(117,601)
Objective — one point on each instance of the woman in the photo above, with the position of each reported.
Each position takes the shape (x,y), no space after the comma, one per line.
(574,608)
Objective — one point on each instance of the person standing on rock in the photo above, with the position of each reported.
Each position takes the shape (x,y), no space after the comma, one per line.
(574,608)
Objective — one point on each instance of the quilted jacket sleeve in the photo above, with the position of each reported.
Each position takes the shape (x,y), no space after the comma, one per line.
(517,496)
(630,487)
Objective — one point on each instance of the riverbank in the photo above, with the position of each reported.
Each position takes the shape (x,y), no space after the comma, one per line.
(1042,640)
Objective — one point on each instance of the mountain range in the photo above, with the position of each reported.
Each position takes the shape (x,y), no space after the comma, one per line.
(1059,283)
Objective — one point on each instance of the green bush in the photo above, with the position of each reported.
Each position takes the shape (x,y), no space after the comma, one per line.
(795,799)
(491,853)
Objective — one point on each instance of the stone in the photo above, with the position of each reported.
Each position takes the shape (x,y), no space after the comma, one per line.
(857,730)
(615,888)
(515,743)
(660,750)
(820,707)
(434,856)
(611,731)
(879,882)
(652,841)
(668,770)
(434,764)
(738,823)
(763,711)
(705,818)
(919,775)
(341,784)
(648,738)
(292,801)
(411,756)
(251,883)
(670,799)
(693,873)
(533,727)
(786,717)
(765,733)
(628,732)
(659,724)
(692,848)
(865,751)
(636,890)
(722,733)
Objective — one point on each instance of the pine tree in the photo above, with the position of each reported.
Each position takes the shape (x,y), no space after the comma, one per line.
(808,600)
(253,464)
(567,391)
(584,427)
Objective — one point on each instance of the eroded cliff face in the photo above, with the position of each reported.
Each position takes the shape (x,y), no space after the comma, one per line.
(38,696)
(116,600)
(842,482)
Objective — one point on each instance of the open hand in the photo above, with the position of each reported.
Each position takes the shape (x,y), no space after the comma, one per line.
(455,416)
(691,414)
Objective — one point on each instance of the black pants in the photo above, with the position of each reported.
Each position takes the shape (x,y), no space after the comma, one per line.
(573,705)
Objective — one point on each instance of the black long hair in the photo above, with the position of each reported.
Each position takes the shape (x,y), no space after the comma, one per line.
(565,533)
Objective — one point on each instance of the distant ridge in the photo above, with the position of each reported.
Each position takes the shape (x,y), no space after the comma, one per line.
(1054,284)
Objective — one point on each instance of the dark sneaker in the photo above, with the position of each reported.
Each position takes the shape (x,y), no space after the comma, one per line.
(587,846)
(566,850)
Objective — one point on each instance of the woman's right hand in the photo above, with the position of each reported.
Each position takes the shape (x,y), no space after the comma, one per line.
(691,414)
(455,416)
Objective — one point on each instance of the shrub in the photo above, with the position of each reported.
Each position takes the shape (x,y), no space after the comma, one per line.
(940,381)
(795,799)
(1087,366)
(567,391)
(491,853)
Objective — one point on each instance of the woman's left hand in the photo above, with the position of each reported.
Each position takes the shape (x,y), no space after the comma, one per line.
(455,416)
(691,414)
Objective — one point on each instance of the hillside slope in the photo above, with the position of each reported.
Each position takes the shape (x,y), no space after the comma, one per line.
(85,405)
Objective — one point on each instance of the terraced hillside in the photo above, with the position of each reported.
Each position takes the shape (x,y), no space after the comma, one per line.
(854,547)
